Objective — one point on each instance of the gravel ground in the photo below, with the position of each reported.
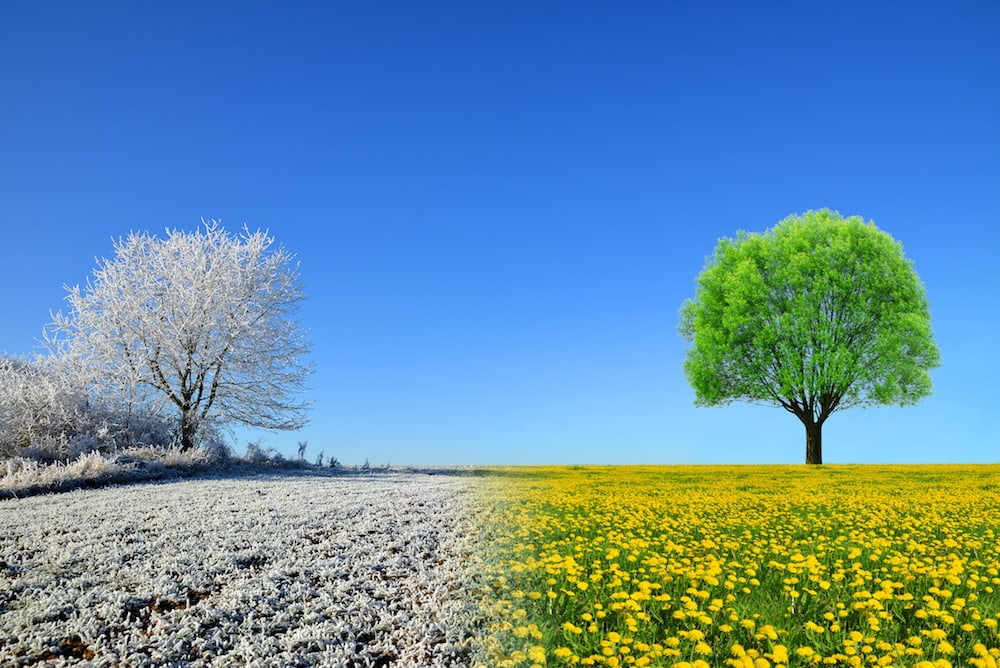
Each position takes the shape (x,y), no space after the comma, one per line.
(289,569)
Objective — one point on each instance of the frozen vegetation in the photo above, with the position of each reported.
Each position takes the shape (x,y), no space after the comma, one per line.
(287,568)
(24,476)
(161,549)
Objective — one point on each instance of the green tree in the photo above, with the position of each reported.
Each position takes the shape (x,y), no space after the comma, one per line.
(818,314)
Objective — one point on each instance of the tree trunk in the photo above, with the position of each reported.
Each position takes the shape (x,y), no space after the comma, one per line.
(814,442)
(188,429)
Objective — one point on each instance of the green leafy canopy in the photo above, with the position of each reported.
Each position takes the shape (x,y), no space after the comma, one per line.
(818,313)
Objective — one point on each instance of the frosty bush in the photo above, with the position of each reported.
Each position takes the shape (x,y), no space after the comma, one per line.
(47,414)
(216,450)
(42,407)
(258,454)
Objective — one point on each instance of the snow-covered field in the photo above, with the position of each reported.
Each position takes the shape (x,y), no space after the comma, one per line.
(283,569)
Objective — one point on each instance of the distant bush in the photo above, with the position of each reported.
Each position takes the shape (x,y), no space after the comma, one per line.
(217,450)
(258,454)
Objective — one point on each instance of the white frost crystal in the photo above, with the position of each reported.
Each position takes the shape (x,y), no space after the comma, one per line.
(296,569)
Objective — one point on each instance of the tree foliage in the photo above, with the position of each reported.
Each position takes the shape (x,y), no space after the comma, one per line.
(201,323)
(818,314)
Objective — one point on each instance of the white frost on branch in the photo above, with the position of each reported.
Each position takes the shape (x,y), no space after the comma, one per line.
(39,400)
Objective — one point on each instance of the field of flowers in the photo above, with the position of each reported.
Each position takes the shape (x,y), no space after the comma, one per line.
(749,566)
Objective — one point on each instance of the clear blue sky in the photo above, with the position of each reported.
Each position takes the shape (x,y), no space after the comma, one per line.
(499,207)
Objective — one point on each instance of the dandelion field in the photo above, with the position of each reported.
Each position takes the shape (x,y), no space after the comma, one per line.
(749,566)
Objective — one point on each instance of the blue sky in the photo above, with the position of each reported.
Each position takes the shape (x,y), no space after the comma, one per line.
(499,207)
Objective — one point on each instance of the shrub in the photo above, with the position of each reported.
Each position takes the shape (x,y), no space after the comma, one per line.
(258,454)
(47,415)
(42,408)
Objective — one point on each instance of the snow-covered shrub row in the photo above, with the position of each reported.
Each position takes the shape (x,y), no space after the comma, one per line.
(292,569)
(27,476)
(39,406)
(47,414)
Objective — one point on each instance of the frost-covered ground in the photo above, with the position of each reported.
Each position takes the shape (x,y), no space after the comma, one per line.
(284,569)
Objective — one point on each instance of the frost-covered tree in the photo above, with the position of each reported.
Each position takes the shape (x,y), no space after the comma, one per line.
(202,323)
